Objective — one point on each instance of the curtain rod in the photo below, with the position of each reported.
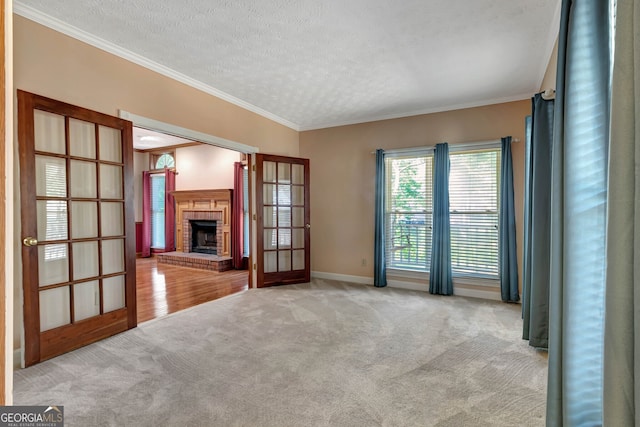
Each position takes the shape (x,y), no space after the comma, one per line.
(452,147)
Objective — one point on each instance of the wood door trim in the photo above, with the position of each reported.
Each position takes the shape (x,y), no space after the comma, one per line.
(129,228)
(29,228)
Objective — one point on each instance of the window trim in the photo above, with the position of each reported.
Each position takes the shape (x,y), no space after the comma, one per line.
(154,155)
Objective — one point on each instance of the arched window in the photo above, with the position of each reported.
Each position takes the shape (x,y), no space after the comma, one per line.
(165,161)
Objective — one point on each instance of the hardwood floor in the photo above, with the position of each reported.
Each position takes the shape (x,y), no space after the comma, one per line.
(163,289)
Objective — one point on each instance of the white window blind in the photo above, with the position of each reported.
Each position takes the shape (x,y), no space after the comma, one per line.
(409,208)
(56,211)
(157,211)
(474,203)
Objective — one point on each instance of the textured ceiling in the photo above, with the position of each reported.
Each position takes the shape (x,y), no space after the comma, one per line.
(312,64)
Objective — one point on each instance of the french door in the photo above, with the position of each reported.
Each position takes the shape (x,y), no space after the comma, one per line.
(78,250)
(283,232)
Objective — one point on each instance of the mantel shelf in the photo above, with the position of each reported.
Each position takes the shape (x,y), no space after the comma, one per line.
(186,195)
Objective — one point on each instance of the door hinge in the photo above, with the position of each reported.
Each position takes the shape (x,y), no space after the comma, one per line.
(255,217)
(253,168)
(255,267)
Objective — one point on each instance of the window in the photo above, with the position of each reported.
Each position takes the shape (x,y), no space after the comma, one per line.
(162,159)
(474,202)
(409,207)
(157,211)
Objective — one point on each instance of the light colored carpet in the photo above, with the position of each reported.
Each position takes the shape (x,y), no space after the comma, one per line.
(321,354)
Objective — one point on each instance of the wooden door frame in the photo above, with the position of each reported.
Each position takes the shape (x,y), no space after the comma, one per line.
(27,102)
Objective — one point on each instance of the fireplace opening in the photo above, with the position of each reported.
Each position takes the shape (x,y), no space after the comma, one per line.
(204,236)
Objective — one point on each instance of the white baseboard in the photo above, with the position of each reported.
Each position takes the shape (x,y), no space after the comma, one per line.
(343,277)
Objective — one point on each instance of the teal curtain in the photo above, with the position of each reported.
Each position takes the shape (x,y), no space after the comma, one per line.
(507,228)
(379,261)
(621,396)
(578,215)
(537,226)
(440,277)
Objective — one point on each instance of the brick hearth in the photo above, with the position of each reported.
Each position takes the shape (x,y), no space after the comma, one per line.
(195,260)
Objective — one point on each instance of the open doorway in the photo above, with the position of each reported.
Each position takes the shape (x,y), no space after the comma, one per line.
(185,213)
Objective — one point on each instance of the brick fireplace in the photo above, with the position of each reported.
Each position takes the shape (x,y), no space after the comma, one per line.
(201,205)
(187,233)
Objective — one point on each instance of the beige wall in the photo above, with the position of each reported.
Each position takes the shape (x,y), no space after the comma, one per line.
(51,64)
(343,170)
(202,167)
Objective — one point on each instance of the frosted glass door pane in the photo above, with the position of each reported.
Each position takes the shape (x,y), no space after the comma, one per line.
(85,260)
(284,238)
(269,194)
(53,264)
(110,182)
(270,262)
(298,217)
(298,260)
(112,256)
(284,260)
(269,172)
(82,139)
(52,220)
(83,179)
(298,239)
(297,173)
(284,194)
(86,300)
(49,132)
(54,308)
(110,144)
(297,194)
(113,293)
(84,220)
(112,218)
(269,216)
(284,217)
(51,176)
(270,239)
(284,173)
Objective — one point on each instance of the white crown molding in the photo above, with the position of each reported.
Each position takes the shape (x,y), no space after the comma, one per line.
(78,34)
(520,97)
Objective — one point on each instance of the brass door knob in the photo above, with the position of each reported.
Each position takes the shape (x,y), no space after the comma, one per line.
(30,241)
